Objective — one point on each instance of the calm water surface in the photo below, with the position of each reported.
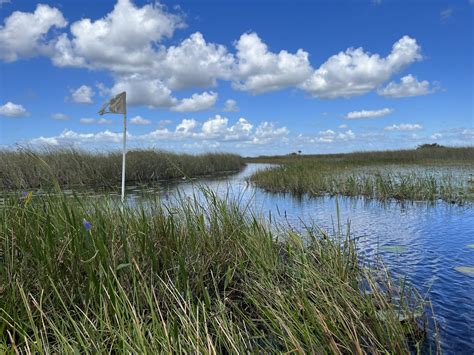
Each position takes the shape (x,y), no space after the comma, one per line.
(432,240)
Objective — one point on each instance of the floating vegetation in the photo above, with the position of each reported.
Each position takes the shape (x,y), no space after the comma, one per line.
(470,246)
(466,270)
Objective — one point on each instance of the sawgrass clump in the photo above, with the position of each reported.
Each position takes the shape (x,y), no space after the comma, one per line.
(426,174)
(68,167)
(195,276)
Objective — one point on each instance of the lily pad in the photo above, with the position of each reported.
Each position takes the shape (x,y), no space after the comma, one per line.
(393,248)
(466,270)
(470,246)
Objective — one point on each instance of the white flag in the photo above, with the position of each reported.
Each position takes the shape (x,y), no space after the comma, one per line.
(117,104)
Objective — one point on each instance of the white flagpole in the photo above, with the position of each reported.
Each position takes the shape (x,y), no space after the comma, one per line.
(124,153)
(118,104)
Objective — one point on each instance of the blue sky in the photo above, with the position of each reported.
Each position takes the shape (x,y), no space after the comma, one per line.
(253,77)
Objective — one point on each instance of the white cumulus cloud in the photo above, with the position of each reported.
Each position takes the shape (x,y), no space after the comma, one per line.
(355,115)
(24,34)
(142,90)
(408,86)
(13,110)
(215,126)
(83,95)
(194,63)
(267,133)
(356,72)
(197,102)
(128,43)
(122,41)
(230,105)
(211,133)
(101,121)
(259,70)
(404,127)
(138,120)
(186,126)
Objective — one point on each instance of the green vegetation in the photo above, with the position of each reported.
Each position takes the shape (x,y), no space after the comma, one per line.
(24,169)
(82,275)
(427,173)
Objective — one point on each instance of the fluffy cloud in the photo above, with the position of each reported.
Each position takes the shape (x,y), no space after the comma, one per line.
(197,102)
(68,137)
(214,131)
(13,110)
(194,63)
(409,86)
(259,70)
(100,121)
(330,136)
(83,95)
(127,42)
(153,93)
(122,41)
(404,127)
(243,128)
(138,120)
(24,34)
(327,136)
(456,136)
(355,115)
(215,126)
(141,90)
(186,126)
(217,129)
(230,106)
(60,117)
(356,72)
(267,133)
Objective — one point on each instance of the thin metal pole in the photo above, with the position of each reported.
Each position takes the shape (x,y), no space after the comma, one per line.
(124,152)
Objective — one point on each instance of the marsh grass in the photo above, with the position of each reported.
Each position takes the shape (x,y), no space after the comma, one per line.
(420,156)
(425,174)
(195,276)
(67,167)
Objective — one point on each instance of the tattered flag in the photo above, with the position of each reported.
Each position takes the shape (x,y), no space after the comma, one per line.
(117,104)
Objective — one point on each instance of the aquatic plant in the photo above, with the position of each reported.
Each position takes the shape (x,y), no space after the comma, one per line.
(193,276)
(429,156)
(68,167)
(403,175)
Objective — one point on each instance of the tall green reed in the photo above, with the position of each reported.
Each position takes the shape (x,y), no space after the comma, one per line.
(69,167)
(193,276)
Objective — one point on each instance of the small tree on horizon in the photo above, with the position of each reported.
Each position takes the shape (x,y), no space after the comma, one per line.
(428,145)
